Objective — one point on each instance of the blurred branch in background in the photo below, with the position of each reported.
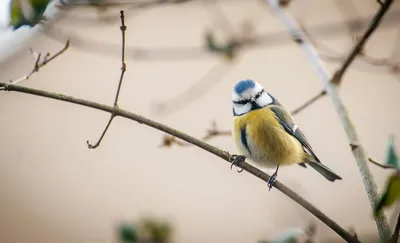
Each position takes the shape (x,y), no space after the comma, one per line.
(348,11)
(194,91)
(392,62)
(185,53)
(40,61)
(236,41)
(330,86)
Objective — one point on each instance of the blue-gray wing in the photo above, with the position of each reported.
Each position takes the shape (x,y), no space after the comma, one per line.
(287,122)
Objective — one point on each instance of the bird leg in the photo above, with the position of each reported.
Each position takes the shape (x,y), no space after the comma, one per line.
(272,179)
(237,159)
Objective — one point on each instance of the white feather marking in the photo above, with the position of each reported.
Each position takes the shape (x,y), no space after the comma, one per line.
(295,127)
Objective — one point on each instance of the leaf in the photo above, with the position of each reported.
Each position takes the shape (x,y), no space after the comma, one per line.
(127,233)
(156,231)
(390,194)
(211,44)
(391,155)
(27,12)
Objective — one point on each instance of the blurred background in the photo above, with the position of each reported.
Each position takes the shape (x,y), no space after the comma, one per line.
(54,189)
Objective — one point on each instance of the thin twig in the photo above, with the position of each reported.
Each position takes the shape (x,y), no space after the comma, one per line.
(168,141)
(194,91)
(41,62)
(330,86)
(358,47)
(123,70)
(381,165)
(197,142)
(308,102)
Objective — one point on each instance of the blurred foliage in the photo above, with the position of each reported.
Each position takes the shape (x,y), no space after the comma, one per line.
(391,192)
(228,50)
(127,233)
(295,235)
(145,230)
(391,155)
(27,12)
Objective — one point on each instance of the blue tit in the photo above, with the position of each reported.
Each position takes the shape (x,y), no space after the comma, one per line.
(266,133)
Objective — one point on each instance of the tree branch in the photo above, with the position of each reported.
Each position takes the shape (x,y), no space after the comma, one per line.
(205,146)
(358,47)
(123,69)
(213,132)
(39,62)
(330,87)
(308,102)
(382,165)
(356,50)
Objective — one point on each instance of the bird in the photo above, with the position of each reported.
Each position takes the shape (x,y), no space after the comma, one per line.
(266,133)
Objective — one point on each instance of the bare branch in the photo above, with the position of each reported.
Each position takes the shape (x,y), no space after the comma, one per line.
(330,86)
(194,92)
(41,62)
(308,102)
(382,165)
(123,69)
(218,16)
(213,132)
(205,146)
(358,47)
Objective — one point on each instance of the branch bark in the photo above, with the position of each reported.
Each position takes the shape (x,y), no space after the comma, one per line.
(330,87)
(218,152)
(121,78)
(355,51)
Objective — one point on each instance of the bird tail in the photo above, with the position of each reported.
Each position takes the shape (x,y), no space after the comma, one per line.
(325,171)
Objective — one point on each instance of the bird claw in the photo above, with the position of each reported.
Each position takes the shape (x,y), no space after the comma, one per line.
(237,159)
(271,181)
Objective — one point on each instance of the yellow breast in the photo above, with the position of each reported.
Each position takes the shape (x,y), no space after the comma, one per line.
(269,144)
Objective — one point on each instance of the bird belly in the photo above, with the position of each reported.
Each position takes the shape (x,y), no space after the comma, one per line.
(268,144)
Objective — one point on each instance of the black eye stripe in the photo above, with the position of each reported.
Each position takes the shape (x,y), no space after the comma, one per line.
(243,102)
(259,94)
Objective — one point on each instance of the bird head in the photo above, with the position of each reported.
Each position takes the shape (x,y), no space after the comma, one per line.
(249,95)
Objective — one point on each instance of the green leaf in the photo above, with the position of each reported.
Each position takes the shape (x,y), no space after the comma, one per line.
(391,155)
(155,230)
(127,233)
(27,12)
(390,194)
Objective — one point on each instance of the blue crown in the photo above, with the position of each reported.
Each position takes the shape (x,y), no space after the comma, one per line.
(243,85)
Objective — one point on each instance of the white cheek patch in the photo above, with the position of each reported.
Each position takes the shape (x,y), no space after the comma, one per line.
(241,109)
(264,100)
(235,96)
